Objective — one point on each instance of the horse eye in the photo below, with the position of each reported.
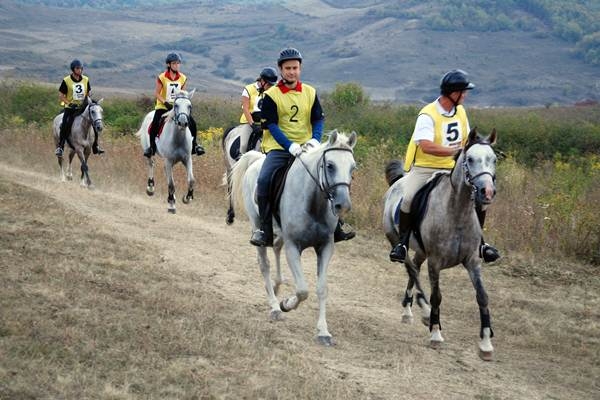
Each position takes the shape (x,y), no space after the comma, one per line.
(330,166)
(470,160)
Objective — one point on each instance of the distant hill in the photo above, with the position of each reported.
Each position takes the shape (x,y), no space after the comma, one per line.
(518,53)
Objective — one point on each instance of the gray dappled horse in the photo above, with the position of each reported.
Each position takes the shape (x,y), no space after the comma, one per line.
(450,232)
(174,145)
(316,192)
(234,145)
(80,139)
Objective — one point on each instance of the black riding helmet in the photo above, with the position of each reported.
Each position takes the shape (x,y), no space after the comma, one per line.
(76,64)
(455,81)
(269,75)
(289,54)
(172,57)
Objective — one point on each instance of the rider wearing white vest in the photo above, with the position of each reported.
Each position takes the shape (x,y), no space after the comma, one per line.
(72,92)
(252,97)
(441,131)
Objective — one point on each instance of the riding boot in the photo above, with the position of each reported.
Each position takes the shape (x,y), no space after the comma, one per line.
(96,149)
(255,136)
(196,148)
(61,140)
(151,150)
(264,235)
(400,251)
(340,235)
(486,251)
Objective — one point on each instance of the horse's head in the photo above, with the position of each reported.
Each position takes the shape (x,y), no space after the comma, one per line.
(182,108)
(335,169)
(479,166)
(94,112)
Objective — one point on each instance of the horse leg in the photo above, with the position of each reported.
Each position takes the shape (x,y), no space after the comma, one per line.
(86,172)
(70,165)
(413,268)
(279,280)
(265,268)
(486,350)
(61,169)
(435,326)
(190,178)
(171,186)
(230,212)
(323,256)
(150,183)
(292,253)
(85,179)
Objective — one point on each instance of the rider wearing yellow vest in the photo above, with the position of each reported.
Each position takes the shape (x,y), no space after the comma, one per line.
(252,97)
(441,131)
(72,92)
(168,83)
(292,115)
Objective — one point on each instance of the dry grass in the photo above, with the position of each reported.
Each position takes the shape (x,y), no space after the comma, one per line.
(105,296)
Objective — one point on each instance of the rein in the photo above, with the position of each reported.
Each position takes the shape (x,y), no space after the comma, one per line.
(467,174)
(176,116)
(321,179)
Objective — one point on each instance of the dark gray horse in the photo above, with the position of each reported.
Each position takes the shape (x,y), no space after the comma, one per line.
(316,192)
(80,139)
(449,232)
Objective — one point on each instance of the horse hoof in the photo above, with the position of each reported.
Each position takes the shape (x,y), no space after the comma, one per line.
(229,220)
(277,315)
(326,341)
(283,307)
(171,211)
(425,321)
(435,344)
(407,319)
(186,199)
(149,191)
(69,178)
(486,355)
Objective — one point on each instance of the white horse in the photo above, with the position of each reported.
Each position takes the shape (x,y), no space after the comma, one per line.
(85,126)
(174,144)
(316,192)
(448,233)
(234,144)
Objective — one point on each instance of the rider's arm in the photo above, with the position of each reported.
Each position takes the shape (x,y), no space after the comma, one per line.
(157,90)
(317,119)
(423,136)
(246,107)
(62,93)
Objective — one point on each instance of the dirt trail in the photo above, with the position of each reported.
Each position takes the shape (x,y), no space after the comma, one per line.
(387,359)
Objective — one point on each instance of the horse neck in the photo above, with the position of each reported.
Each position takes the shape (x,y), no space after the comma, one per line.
(306,181)
(86,119)
(460,191)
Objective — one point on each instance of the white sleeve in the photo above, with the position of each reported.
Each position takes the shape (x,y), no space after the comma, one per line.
(423,129)
(245,93)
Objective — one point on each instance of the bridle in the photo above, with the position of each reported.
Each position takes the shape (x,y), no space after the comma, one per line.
(179,114)
(322,180)
(91,118)
(469,179)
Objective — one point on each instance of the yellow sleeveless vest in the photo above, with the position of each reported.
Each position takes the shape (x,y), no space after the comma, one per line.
(447,131)
(76,91)
(255,96)
(169,88)
(293,109)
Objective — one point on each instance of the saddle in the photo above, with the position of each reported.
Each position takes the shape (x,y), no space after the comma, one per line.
(161,125)
(418,207)
(276,189)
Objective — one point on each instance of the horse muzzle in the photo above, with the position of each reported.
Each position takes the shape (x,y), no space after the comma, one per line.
(485,194)
(182,120)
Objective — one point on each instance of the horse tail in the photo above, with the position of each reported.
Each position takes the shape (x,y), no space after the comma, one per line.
(237,178)
(394,170)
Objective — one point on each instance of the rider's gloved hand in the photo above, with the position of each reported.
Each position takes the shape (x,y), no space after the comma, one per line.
(295,149)
(312,143)
(169,105)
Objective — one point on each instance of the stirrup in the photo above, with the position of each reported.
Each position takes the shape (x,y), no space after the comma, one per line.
(149,152)
(97,149)
(488,253)
(259,238)
(399,253)
(339,235)
(199,150)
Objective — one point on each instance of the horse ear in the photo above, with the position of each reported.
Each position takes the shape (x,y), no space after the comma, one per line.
(191,94)
(473,135)
(333,136)
(352,139)
(492,138)
(100,101)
